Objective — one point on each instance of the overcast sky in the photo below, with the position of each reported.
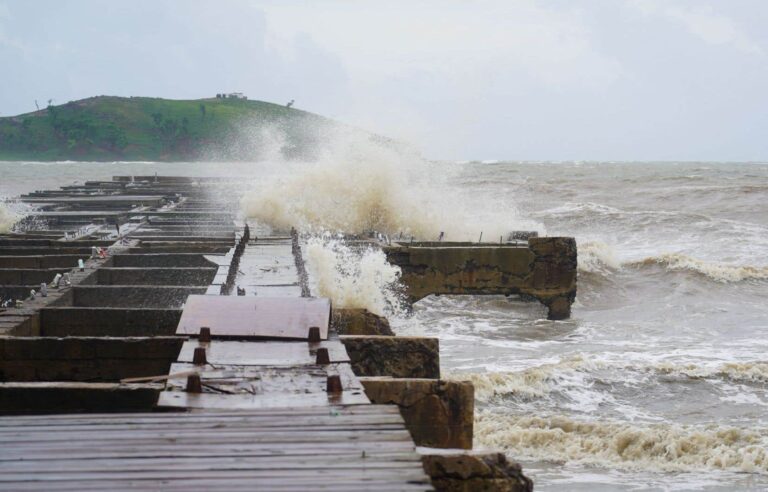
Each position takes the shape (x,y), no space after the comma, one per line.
(507,79)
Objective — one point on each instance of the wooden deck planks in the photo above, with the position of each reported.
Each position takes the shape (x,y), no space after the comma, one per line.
(330,448)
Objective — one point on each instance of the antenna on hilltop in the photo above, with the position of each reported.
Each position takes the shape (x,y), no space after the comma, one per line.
(37,105)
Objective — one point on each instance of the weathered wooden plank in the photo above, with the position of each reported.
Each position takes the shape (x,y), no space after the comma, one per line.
(96,418)
(241,387)
(255,317)
(263,354)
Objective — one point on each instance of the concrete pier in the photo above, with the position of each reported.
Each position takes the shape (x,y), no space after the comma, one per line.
(544,269)
(191,353)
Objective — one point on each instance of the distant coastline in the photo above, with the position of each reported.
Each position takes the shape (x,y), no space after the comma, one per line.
(110,128)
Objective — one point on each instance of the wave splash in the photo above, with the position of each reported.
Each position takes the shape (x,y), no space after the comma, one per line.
(7,218)
(354,278)
(659,447)
(358,184)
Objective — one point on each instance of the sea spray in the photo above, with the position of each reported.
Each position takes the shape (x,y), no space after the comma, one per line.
(7,218)
(353,278)
(359,184)
(597,257)
(655,447)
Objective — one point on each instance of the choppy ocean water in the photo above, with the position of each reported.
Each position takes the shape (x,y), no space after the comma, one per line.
(659,381)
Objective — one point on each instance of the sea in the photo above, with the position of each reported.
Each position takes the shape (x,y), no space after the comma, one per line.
(658,381)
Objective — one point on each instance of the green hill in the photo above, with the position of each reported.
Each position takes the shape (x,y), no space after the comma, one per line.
(107,128)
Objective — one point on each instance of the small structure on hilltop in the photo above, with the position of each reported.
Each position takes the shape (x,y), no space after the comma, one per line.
(290,103)
(232,95)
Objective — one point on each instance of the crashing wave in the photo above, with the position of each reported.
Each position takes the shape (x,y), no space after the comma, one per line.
(720,272)
(538,382)
(530,383)
(353,279)
(597,257)
(657,447)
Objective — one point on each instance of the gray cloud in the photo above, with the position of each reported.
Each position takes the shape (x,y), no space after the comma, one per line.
(591,79)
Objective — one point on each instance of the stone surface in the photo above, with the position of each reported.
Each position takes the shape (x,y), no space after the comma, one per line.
(397,357)
(486,472)
(359,322)
(545,270)
(437,413)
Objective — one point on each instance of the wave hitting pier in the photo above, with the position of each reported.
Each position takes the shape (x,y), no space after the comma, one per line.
(170,346)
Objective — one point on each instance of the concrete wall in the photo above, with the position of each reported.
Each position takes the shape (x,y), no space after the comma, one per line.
(397,357)
(111,322)
(155,276)
(23,276)
(45,398)
(438,414)
(155,260)
(545,271)
(39,261)
(86,358)
(133,296)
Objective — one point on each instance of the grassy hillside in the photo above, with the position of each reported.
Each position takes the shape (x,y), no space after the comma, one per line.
(142,128)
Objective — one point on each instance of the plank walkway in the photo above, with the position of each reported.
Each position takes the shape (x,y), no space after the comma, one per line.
(319,448)
(266,415)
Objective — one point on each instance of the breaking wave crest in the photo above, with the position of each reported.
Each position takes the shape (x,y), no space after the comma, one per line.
(596,257)
(534,382)
(742,372)
(719,272)
(662,447)
(353,278)
(538,382)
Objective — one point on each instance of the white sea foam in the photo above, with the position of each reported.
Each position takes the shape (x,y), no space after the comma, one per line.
(353,279)
(659,447)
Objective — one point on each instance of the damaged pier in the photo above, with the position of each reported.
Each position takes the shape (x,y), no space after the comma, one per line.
(171,345)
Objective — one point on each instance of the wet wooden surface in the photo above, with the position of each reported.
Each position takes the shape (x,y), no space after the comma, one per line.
(287,449)
(255,317)
(221,352)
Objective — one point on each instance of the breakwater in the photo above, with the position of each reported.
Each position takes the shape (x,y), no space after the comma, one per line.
(145,294)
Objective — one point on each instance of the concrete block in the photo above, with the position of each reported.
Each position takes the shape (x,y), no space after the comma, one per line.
(85,358)
(481,472)
(114,322)
(397,357)
(359,322)
(133,296)
(156,276)
(62,397)
(437,413)
(545,270)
